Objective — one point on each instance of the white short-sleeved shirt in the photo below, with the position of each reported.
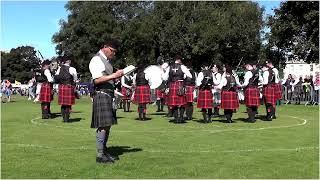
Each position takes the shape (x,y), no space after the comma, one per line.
(96,66)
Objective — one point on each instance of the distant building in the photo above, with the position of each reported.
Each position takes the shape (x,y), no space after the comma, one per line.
(300,69)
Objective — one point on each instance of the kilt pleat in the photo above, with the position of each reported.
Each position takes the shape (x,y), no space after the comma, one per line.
(173,99)
(205,99)
(189,93)
(229,100)
(269,94)
(277,90)
(66,95)
(142,94)
(46,93)
(123,91)
(252,96)
(103,114)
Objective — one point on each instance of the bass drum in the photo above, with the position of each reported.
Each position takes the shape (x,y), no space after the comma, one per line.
(154,73)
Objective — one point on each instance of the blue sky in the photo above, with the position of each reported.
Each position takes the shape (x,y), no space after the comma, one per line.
(34,22)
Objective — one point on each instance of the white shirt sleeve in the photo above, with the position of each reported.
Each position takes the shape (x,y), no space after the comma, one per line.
(58,71)
(276,73)
(186,71)
(48,75)
(223,82)
(134,79)
(247,77)
(265,77)
(216,78)
(165,75)
(73,72)
(96,67)
(123,82)
(199,79)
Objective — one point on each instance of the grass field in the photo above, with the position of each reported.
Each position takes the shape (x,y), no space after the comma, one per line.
(287,147)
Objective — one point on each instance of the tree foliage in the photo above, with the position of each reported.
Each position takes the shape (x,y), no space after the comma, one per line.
(295,29)
(19,63)
(221,32)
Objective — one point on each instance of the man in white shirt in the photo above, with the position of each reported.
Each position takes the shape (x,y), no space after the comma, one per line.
(46,95)
(104,114)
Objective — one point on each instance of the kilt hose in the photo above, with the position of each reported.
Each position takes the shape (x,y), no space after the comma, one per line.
(46,92)
(189,93)
(66,95)
(173,99)
(159,94)
(252,96)
(229,100)
(142,94)
(269,94)
(277,90)
(124,92)
(103,114)
(205,99)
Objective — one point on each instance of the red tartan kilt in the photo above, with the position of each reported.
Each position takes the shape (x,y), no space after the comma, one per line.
(229,100)
(205,99)
(173,99)
(159,94)
(142,94)
(46,93)
(277,90)
(252,96)
(123,91)
(189,93)
(66,95)
(269,95)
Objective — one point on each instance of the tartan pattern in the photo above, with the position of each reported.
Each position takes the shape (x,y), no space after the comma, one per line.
(123,91)
(205,99)
(66,95)
(189,93)
(229,100)
(173,99)
(159,94)
(142,94)
(277,90)
(46,93)
(102,113)
(269,95)
(252,96)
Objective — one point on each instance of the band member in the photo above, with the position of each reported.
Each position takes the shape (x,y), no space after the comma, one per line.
(229,97)
(176,97)
(142,91)
(160,91)
(190,86)
(216,91)
(277,85)
(205,96)
(270,97)
(104,113)
(66,77)
(46,95)
(126,83)
(252,95)
(118,95)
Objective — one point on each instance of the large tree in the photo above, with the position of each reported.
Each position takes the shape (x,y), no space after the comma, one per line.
(19,63)
(222,32)
(295,30)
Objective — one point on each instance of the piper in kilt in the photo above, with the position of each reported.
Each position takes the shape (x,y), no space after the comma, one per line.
(104,112)
(270,97)
(142,92)
(126,90)
(229,96)
(205,96)
(216,91)
(276,85)
(190,86)
(176,98)
(66,76)
(160,91)
(252,95)
(46,95)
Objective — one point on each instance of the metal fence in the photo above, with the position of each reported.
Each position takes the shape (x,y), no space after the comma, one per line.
(300,95)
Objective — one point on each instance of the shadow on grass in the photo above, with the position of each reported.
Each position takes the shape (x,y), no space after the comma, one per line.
(75,120)
(147,119)
(119,150)
(159,113)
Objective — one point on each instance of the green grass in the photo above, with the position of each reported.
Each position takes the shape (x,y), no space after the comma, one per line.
(35,148)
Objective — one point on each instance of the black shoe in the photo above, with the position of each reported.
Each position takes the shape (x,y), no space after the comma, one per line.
(104,159)
(158,110)
(274,117)
(113,158)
